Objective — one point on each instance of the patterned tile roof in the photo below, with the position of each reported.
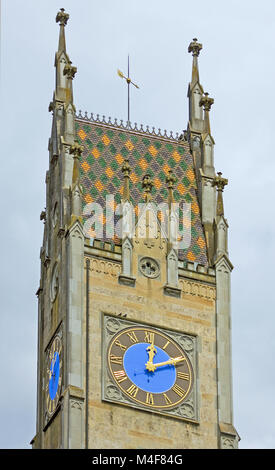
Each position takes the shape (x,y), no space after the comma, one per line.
(106,146)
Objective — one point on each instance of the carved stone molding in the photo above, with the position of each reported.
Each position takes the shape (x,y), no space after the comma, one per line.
(109,269)
(76,404)
(198,289)
(227,442)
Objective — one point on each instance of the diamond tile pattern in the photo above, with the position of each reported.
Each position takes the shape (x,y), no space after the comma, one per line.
(106,147)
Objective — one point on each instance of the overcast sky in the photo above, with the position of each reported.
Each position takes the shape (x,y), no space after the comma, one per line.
(237,68)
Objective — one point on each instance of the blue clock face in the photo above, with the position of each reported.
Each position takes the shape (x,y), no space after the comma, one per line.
(159,381)
(54,377)
(150,367)
(53,386)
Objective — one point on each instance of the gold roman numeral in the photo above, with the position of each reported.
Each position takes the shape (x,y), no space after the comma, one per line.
(178,390)
(165,346)
(183,376)
(133,337)
(149,337)
(132,390)
(149,399)
(167,399)
(116,359)
(120,345)
(120,375)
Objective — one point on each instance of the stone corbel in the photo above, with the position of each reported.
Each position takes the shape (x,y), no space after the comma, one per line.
(127,280)
(172,291)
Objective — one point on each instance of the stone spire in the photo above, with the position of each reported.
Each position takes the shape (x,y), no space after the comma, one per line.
(171,288)
(76,150)
(61,59)
(202,146)
(128,222)
(220,183)
(62,19)
(172,226)
(220,223)
(195,92)
(76,192)
(147,184)
(195,47)
(206,102)
(126,170)
(69,71)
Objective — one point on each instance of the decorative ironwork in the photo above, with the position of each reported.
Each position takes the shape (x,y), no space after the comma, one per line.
(129,126)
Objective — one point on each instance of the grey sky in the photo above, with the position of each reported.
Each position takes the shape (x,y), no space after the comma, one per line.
(237,68)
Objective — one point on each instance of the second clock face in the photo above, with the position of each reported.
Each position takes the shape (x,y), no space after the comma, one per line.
(150,367)
(53,386)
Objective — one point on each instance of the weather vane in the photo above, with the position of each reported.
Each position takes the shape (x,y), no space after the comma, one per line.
(129,81)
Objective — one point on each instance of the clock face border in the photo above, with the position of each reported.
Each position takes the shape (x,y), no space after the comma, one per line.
(186,407)
(177,382)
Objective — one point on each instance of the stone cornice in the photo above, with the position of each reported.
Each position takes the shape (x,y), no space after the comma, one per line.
(198,289)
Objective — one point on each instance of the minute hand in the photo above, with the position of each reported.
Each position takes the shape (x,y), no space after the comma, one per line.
(173,361)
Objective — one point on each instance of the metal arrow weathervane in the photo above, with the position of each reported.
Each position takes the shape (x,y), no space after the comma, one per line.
(129,81)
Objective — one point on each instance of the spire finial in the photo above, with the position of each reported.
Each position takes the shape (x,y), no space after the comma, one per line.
(126,170)
(70,71)
(206,102)
(195,47)
(62,19)
(220,183)
(147,184)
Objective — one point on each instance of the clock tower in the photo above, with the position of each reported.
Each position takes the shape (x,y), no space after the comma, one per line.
(134,329)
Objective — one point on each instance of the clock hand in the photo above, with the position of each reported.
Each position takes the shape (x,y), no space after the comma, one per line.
(151,352)
(173,361)
(51,371)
